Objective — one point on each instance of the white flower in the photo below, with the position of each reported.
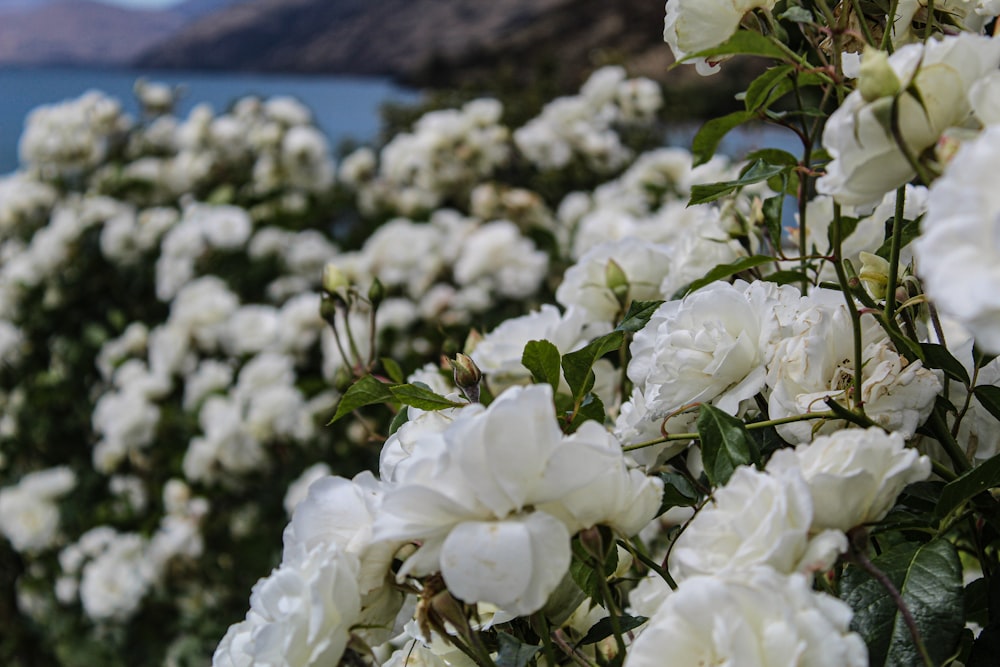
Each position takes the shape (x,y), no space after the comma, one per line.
(695,25)
(643,266)
(300,615)
(513,563)
(755,519)
(815,361)
(113,584)
(762,619)
(867,162)
(29,517)
(854,475)
(299,488)
(498,354)
(958,252)
(711,346)
(341,512)
(496,254)
(490,492)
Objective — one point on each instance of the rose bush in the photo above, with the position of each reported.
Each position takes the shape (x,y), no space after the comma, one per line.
(721,442)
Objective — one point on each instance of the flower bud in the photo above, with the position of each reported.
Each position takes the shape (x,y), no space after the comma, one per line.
(376,293)
(467,376)
(874,274)
(334,280)
(876,78)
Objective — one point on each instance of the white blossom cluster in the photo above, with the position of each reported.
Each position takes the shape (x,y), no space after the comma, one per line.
(508,493)
(583,126)
(450,152)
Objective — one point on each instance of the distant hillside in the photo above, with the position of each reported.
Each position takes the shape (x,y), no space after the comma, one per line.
(83,32)
(422,41)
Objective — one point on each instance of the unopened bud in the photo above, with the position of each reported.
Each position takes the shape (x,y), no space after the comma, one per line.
(874,274)
(467,376)
(876,78)
(334,280)
(376,293)
(617,281)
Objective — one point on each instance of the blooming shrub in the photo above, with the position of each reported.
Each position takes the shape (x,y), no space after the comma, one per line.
(625,424)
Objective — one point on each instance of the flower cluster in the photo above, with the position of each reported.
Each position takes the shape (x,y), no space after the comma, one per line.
(678,428)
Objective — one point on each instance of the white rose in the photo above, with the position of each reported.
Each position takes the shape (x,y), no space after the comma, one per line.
(760,620)
(497,487)
(695,25)
(498,354)
(341,512)
(867,162)
(816,362)
(300,615)
(958,252)
(710,346)
(29,517)
(642,265)
(113,584)
(755,519)
(854,475)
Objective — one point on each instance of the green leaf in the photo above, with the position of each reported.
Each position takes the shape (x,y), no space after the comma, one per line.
(911,230)
(786,277)
(602,629)
(725,444)
(638,315)
(774,210)
(796,14)
(592,407)
(542,358)
(581,568)
(984,476)
(421,397)
(513,652)
(989,398)
(742,42)
(393,370)
(758,92)
(929,580)
(366,391)
(577,365)
(677,492)
(724,271)
(757,171)
(938,356)
(706,141)
(773,156)
(401,418)
(981,358)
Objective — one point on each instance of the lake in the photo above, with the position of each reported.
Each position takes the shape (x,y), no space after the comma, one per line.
(344,107)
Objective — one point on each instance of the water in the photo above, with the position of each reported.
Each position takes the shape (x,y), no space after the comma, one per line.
(344,107)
